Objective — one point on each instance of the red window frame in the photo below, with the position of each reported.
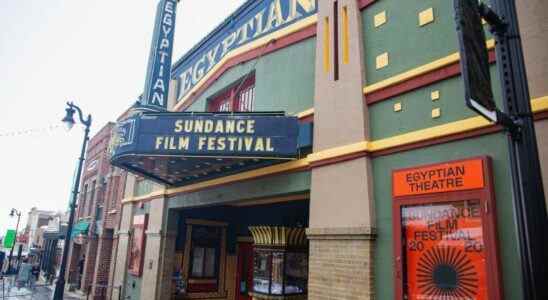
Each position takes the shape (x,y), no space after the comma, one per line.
(486,198)
(232,96)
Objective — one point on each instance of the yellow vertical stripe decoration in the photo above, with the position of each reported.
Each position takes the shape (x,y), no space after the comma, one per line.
(345,36)
(326,45)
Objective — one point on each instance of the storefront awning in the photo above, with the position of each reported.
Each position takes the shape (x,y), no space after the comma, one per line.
(183,148)
(80,228)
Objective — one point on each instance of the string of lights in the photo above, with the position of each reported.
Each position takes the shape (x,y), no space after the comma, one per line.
(24,132)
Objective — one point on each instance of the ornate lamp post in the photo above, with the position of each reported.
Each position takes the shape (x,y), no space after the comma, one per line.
(69,122)
(14,212)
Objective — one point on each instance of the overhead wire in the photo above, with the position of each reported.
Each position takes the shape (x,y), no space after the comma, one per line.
(31,131)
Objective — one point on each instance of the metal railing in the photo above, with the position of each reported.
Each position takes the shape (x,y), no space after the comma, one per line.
(11,289)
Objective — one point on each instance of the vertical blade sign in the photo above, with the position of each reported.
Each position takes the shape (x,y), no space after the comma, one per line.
(159,64)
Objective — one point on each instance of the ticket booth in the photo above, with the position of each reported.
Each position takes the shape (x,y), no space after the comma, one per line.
(445,229)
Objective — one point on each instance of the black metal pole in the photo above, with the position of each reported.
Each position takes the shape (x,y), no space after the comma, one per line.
(60,284)
(529,199)
(18,213)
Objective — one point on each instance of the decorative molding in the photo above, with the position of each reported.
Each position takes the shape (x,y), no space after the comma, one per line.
(415,72)
(381,61)
(420,81)
(436,113)
(379,19)
(278,236)
(155,233)
(452,131)
(270,200)
(435,95)
(362,4)
(311,20)
(206,222)
(426,16)
(341,233)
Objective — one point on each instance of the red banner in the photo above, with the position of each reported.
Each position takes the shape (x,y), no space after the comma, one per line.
(444,251)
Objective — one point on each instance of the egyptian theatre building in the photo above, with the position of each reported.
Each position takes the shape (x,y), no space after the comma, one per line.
(321,150)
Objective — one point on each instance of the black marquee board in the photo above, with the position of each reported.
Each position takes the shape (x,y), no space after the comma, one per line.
(474,59)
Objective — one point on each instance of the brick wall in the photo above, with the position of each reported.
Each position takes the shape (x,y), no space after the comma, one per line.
(102,266)
(341,269)
(71,276)
(89,264)
(112,268)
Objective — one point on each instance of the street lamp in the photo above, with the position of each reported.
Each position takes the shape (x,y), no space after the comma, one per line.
(69,123)
(14,212)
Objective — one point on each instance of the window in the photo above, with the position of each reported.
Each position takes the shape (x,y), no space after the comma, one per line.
(239,97)
(206,242)
(91,197)
(261,272)
(280,272)
(82,205)
(246,99)
(98,213)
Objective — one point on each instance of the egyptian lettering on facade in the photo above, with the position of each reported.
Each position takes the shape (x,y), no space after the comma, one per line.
(270,18)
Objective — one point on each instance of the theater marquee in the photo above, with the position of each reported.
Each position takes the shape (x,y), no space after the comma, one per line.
(178,148)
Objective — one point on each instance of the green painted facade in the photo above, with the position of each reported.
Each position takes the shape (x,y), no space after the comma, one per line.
(279,85)
(285,81)
(494,145)
(253,189)
(417,108)
(408,44)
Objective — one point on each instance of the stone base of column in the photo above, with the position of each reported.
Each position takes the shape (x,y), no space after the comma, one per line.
(341,263)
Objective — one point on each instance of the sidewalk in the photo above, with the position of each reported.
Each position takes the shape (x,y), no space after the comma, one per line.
(39,292)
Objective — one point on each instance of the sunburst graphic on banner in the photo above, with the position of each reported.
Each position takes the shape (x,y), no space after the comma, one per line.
(447,273)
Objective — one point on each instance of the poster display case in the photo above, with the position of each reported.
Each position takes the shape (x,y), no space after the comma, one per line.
(136,256)
(280,263)
(444,229)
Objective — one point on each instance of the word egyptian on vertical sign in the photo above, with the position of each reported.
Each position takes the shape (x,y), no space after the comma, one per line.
(159,64)
(253,22)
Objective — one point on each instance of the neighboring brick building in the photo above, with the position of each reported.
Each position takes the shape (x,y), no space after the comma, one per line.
(396,189)
(96,219)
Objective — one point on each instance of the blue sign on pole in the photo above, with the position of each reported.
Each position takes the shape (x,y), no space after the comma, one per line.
(159,64)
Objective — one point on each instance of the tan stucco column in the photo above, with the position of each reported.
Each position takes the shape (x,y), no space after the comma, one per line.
(159,252)
(342,222)
(122,254)
(167,255)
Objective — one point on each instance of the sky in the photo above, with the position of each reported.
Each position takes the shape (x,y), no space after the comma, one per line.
(94,53)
